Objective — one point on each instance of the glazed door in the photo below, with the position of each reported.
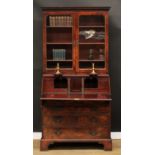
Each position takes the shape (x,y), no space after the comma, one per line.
(92,42)
(58,41)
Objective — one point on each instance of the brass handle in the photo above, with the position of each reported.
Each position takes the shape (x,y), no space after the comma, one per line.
(58,119)
(57,108)
(94,109)
(93,120)
(92,133)
(58,131)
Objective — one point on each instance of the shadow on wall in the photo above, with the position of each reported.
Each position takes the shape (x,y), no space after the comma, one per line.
(115,73)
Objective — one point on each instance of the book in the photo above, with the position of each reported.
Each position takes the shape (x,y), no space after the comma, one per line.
(67,20)
(59,54)
(70,21)
(64,20)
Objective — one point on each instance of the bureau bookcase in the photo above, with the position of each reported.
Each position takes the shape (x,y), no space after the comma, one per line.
(76,93)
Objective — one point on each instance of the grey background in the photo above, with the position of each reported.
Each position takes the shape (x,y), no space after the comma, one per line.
(115,54)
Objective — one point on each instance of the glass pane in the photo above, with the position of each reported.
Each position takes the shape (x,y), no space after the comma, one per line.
(91,41)
(59,41)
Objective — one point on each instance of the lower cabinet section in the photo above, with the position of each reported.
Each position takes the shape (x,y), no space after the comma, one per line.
(76,121)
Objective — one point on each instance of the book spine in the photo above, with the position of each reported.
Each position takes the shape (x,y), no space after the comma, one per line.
(53,19)
(61,54)
(50,21)
(70,21)
(53,54)
(64,54)
(53,22)
(61,21)
(57,54)
(64,20)
(56,20)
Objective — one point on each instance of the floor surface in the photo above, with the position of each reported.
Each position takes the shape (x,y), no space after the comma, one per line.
(77,149)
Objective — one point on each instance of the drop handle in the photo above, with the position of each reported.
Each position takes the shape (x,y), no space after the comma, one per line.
(58,119)
(58,131)
(93,120)
(92,133)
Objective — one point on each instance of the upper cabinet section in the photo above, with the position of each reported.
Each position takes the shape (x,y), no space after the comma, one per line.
(76,40)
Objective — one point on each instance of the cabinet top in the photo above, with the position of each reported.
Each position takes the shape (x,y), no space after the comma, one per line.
(75,8)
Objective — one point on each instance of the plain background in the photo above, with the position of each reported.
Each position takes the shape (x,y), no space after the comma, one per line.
(115,54)
(137,77)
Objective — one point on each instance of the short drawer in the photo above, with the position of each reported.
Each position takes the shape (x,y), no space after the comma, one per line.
(70,121)
(76,133)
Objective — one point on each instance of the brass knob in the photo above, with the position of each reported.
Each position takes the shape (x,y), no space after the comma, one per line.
(58,119)
(93,120)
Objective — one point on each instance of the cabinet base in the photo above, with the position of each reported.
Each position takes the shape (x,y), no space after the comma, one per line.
(44,143)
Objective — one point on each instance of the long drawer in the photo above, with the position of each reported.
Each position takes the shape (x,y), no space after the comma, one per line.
(81,109)
(76,133)
(70,121)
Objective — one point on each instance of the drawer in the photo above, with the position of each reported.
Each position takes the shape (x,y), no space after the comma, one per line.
(75,109)
(70,121)
(76,133)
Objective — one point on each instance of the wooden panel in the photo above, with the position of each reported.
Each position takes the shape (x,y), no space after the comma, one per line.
(75,84)
(75,121)
(75,108)
(76,133)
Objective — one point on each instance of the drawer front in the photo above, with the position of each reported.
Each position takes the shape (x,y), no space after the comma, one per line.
(75,109)
(75,121)
(76,133)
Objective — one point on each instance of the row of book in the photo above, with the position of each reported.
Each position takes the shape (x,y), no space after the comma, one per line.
(59,54)
(60,21)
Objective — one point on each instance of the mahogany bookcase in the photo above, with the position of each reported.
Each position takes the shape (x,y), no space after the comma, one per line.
(76,93)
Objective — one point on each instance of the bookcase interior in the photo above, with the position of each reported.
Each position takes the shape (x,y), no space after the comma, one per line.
(60,82)
(67,48)
(59,35)
(91,20)
(89,42)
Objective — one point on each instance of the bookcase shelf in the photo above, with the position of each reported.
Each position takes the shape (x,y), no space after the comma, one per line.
(59,43)
(59,26)
(87,43)
(92,26)
(91,60)
(59,60)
